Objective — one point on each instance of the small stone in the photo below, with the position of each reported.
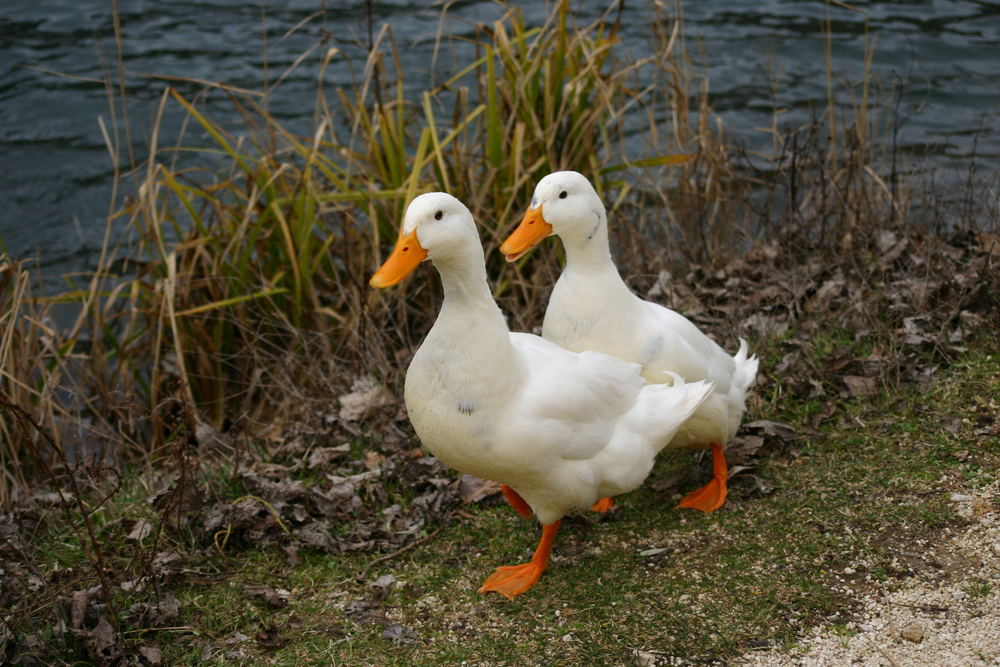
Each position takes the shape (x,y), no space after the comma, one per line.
(643,658)
(849,570)
(959,498)
(913,632)
(653,552)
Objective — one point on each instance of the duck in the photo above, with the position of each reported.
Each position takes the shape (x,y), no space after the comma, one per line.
(561,431)
(591,308)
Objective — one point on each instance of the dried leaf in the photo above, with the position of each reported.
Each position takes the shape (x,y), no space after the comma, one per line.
(317,536)
(274,490)
(292,553)
(169,609)
(180,502)
(210,438)
(365,397)
(668,482)
(472,489)
(989,243)
(860,386)
(274,597)
(397,634)
(101,643)
(773,429)
(163,560)
(104,635)
(642,658)
(269,469)
(270,637)
(827,292)
(140,531)
(373,460)
(151,654)
(742,448)
(322,456)
(80,600)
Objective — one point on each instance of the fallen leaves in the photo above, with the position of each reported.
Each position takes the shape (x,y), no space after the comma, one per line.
(472,489)
(270,637)
(366,396)
(398,634)
(276,598)
(350,477)
(140,531)
(860,386)
(162,613)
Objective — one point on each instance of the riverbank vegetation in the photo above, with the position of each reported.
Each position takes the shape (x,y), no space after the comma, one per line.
(217,424)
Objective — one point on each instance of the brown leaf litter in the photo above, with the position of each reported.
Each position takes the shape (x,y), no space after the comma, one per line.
(914,301)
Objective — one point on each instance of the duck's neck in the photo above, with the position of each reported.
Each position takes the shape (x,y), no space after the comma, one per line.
(463,278)
(588,252)
(470,340)
(468,303)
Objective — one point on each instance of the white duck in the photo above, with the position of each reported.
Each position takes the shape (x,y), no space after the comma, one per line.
(591,308)
(561,430)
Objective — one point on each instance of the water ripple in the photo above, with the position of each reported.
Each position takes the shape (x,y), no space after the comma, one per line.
(56,169)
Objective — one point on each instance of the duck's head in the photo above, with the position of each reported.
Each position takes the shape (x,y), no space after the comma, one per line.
(436,226)
(564,204)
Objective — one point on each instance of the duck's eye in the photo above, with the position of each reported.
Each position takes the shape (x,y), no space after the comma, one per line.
(439,215)
(562,195)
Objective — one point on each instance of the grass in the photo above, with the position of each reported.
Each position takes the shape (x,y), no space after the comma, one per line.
(847,502)
(852,497)
(251,248)
(225,333)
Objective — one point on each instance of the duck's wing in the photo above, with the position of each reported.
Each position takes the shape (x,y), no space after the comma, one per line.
(571,402)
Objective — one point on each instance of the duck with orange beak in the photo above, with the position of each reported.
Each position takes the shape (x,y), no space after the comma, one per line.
(561,431)
(591,308)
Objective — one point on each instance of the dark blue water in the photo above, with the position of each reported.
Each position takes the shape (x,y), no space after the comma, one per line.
(758,55)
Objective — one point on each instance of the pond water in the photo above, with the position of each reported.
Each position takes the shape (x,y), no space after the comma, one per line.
(758,54)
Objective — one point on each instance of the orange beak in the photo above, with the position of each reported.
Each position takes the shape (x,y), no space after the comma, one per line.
(404,258)
(528,234)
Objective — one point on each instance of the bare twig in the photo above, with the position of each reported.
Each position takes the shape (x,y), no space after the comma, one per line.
(398,552)
(97,557)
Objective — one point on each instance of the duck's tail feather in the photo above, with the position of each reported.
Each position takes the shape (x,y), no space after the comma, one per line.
(668,406)
(746,368)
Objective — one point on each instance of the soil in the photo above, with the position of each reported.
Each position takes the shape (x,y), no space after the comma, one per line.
(945,615)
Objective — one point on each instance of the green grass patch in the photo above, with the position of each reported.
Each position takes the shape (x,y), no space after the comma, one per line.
(765,568)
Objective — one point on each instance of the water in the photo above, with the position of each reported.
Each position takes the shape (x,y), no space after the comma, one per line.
(57,173)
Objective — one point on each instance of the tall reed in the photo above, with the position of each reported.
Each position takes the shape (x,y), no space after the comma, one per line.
(246,294)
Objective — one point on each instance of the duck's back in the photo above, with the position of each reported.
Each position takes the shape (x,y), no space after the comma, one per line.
(599,312)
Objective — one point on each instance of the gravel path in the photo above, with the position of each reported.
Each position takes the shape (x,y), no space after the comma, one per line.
(946,617)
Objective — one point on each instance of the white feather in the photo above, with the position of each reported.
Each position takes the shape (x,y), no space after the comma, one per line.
(591,308)
(563,429)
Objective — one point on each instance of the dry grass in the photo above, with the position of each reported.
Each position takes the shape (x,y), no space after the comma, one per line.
(245,270)
(245,296)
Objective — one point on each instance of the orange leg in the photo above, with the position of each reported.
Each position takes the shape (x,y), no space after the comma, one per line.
(603,505)
(711,496)
(512,580)
(516,501)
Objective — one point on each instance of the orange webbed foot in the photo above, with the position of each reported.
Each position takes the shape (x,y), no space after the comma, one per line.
(707,499)
(713,495)
(603,505)
(512,580)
